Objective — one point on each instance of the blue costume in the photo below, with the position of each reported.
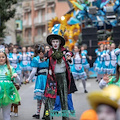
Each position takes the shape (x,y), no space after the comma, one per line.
(84,60)
(113,62)
(14,61)
(42,71)
(97,59)
(29,60)
(77,69)
(24,64)
(117,52)
(106,62)
(99,66)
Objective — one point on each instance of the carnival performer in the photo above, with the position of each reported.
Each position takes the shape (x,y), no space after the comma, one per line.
(106,60)
(113,57)
(47,48)
(84,59)
(24,65)
(99,64)
(40,68)
(8,92)
(29,58)
(31,55)
(77,69)
(58,79)
(73,88)
(14,62)
(97,59)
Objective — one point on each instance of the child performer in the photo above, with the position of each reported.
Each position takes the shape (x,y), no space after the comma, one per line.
(8,92)
(99,65)
(77,68)
(14,61)
(40,68)
(29,58)
(84,59)
(24,65)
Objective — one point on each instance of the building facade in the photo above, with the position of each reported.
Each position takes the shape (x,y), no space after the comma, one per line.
(36,15)
(14,26)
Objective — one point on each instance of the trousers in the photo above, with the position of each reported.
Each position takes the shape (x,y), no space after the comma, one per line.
(61,91)
(58,104)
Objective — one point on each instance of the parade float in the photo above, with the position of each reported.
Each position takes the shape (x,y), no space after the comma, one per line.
(104,15)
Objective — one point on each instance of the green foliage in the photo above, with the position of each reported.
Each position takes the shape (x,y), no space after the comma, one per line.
(6,12)
(19,39)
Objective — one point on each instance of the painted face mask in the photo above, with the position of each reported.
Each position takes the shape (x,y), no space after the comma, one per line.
(55,44)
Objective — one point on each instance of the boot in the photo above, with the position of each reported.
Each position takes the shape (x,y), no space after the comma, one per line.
(65,118)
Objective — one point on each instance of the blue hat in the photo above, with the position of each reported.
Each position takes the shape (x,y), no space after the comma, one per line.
(57,32)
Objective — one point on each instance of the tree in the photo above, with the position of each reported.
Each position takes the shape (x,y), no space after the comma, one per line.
(6,12)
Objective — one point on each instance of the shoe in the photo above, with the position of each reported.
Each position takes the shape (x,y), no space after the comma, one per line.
(47,118)
(44,118)
(85,91)
(16,115)
(11,113)
(36,116)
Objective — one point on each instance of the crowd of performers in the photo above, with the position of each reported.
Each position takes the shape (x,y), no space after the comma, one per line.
(108,56)
(31,64)
(35,63)
(21,61)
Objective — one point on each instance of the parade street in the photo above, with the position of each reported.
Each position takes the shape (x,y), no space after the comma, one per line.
(28,105)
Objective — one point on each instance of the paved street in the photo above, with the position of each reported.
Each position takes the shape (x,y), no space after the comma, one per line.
(28,105)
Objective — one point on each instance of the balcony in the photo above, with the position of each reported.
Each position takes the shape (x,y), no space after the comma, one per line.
(39,22)
(49,16)
(39,1)
(26,6)
(27,24)
(39,4)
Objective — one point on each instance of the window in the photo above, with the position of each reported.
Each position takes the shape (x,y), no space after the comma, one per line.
(39,16)
(17,25)
(29,19)
(52,9)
